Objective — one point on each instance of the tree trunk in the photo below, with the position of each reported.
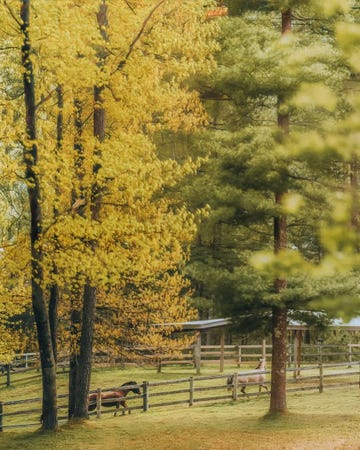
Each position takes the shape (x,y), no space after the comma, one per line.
(53,317)
(84,362)
(90,291)
(54,288)
(49,405)
(279,358)
(279,327)
(75,320)
(89,298)
(279,313)
(78,193)
(299,335)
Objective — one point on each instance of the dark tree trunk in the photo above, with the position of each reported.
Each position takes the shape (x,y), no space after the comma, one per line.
(49,404)
(83,375)
(75,321)
(279,327)
(54,289)
(89,298)
(279,359)
(73,365)
(90,291)
(78,193)
(53,317)
(279,313)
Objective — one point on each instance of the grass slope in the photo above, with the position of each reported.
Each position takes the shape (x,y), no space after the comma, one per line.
(327,421)
(316,421)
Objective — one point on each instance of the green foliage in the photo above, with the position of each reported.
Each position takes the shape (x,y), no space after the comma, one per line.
(251,160)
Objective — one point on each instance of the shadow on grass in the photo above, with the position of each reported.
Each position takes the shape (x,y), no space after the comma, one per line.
(45,439)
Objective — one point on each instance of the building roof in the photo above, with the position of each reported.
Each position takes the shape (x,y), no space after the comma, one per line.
(198,325)
(352,325)
(205,324)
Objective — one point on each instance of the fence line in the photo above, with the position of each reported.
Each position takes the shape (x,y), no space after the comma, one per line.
(210,354)
(188,391)
(240,354)
(247,352)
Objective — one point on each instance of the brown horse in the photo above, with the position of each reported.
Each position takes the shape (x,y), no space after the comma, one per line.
(115,397)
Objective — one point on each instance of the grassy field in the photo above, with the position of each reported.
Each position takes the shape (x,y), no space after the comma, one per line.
(315,421)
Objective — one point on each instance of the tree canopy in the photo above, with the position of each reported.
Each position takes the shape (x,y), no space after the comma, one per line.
(86,86)
(115,210)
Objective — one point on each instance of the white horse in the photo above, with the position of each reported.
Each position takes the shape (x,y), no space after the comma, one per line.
(253,377)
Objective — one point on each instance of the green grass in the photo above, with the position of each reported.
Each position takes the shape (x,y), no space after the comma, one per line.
(315,421)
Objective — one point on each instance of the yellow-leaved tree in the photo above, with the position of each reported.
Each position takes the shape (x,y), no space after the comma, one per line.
(104,244)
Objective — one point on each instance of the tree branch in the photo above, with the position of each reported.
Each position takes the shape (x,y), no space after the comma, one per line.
(8,48)
(45,99)
(130,6)
(122,63)
(12,13)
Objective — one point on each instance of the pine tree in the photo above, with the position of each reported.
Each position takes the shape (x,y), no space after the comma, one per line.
(261,80)
(339,230)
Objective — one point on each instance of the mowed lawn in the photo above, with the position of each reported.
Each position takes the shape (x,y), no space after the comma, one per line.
(330,420)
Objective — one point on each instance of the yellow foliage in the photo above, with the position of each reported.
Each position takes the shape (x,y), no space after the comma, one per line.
(142,60)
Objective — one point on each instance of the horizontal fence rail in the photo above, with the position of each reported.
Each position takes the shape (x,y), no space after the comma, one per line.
(187,392)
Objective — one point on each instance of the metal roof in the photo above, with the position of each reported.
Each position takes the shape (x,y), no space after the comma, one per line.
(198,325)
(205,324)
(352,325)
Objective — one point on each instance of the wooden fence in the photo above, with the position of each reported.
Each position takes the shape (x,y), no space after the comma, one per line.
(186,392)
(210,354)
(240,354)
(22,369)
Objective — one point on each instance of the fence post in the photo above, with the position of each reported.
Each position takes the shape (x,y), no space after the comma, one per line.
(222,352)
(7,367)
(290,354)
(191,391)
(350,354)
(145,396)
(235,386)
(239,355)
(321,378)
(263,349)
(98,403)
(197,354)
(320,355)
(1,416)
